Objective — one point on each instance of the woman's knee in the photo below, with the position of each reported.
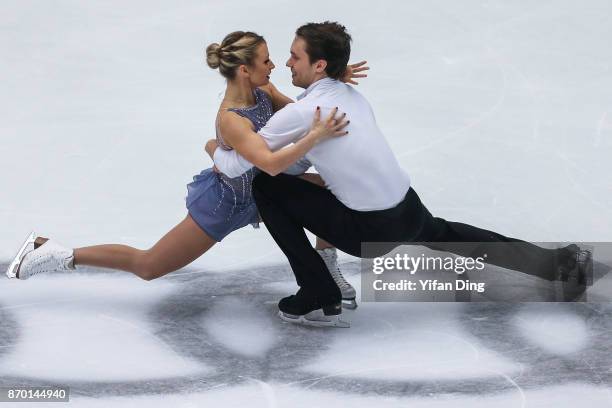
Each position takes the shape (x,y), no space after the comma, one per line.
(149,267)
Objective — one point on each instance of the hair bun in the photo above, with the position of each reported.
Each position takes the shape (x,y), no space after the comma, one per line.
(213,58)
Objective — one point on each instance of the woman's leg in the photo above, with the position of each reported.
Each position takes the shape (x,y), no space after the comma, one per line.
(179,247)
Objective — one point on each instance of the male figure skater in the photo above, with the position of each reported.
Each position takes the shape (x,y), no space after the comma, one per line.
(368,197)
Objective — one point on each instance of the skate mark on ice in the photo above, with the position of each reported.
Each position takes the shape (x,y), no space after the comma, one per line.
(602,125)
(485,114)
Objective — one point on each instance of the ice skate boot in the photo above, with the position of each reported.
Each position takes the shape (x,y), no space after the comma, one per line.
(330,257)
(11,272)
(307,310)
(576,273)
(48,256)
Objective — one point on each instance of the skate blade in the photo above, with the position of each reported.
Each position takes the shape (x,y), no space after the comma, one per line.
(349,303)
(315,318)
(11,272)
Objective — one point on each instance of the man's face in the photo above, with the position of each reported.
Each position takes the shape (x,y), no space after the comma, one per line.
(303,73)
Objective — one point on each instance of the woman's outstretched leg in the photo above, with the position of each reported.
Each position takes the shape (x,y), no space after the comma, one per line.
(179,247)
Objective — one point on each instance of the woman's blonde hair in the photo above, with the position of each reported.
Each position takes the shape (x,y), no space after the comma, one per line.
(237,48)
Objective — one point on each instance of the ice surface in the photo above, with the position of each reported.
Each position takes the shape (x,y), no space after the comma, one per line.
(202,337)
(240,327)
(554,331)
(266,395)
(409,342)
(89,328)
(501,112)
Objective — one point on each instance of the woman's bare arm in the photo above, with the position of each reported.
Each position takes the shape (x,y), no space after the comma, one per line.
(238,132)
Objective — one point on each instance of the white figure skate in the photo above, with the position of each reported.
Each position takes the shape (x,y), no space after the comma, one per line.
(330,257)
(48,257)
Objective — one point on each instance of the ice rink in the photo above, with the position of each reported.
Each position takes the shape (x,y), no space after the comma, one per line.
(501,112)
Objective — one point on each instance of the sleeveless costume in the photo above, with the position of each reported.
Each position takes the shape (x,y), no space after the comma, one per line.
(219,204)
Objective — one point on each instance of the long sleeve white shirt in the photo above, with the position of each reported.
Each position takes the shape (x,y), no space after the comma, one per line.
(359,168)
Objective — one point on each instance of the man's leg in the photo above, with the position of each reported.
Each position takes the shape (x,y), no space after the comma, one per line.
(287,205)
(289,202)
(511,253)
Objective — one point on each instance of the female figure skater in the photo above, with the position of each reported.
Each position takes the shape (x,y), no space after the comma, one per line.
(217,205)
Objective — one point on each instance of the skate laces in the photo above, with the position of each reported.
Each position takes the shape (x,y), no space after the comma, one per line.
(33,264)
(339,278)
(330,257)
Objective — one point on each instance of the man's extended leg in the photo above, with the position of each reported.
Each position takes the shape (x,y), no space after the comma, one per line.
(570,264)
(288,204)
(511,253)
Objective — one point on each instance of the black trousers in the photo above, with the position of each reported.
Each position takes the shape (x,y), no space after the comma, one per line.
(288,204)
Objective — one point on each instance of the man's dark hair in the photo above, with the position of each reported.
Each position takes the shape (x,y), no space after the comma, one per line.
(328,41)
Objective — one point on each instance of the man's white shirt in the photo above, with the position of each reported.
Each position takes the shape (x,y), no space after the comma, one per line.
(359,168)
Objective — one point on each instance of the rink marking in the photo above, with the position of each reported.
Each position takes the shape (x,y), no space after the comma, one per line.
(577,186)
(69,300)
(530,91)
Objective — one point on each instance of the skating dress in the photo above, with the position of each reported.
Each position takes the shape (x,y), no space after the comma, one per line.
(219,204)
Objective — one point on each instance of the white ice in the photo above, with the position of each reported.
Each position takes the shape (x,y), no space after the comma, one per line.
(89,328)
(409,342)
(272,395)
(241,327)
(553,330)
(501,112)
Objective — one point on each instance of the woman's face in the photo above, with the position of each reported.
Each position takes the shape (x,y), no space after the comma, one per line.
(259,72)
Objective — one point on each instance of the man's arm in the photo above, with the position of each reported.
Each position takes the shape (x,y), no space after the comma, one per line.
(285,127)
